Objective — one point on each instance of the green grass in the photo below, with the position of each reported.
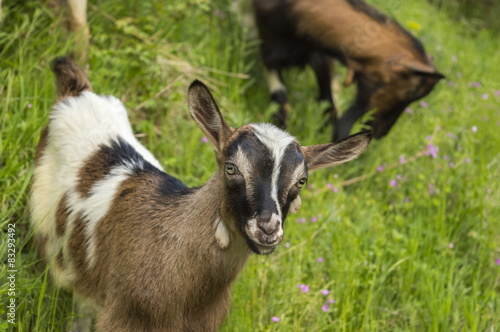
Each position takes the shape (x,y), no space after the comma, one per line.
(420,256)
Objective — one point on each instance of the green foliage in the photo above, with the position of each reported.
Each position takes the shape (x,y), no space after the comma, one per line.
(400,240)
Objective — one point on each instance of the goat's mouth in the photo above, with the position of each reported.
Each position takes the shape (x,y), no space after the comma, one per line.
(262,243)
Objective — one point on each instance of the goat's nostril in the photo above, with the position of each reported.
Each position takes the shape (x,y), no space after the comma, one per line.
(268,227)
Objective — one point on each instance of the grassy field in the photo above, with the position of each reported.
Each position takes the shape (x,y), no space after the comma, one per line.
(406,238)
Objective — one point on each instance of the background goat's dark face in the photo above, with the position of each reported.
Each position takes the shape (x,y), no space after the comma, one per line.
(264,170)
(391,94)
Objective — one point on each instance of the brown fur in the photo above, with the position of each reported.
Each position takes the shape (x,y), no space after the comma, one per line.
(94,170)
(388,64)
(62,215)
(71,79)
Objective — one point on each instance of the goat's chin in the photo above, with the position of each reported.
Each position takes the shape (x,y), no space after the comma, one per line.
(261,249)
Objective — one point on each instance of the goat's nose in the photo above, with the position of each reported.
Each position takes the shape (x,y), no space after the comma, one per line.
(268,222)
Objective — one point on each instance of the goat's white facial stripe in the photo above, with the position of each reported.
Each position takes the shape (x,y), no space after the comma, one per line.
(277,142)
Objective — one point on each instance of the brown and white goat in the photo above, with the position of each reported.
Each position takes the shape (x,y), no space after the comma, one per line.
(389,65)
(141,251)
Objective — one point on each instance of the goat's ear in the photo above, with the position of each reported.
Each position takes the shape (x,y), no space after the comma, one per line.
(331,154)
(417,67)
(205,112)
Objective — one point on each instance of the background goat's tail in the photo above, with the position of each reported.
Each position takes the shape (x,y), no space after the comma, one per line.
(71,79)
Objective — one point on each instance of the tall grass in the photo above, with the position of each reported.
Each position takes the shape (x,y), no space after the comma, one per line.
(395,241)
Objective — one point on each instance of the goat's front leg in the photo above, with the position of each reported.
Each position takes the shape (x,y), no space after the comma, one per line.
(277,90)
(344,124)
(80,29)
(322,66)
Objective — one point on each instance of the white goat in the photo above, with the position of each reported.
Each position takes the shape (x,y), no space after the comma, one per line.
(141,251)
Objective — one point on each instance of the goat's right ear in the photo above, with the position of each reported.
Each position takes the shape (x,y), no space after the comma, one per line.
(205,112)
(331,154)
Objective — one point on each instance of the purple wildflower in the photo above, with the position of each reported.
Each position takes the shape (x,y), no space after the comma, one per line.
(484,96)
(402,159)
(467,160)
(204,139)
(393,182)
(287,245)
(497,92)
(380,168)
(219,14)
(304,288)
(275,319)
(432,150)
(424,104)
(474,129)
(451,245)
(320,259)
(331,301)
(325,292)
(408,110)
(432,189)
(325,307)
(314,219)
(497,261)
(451,164)
(301,220)
(335,189)
(407,199)
(475,85)
(29,105)
(329,185)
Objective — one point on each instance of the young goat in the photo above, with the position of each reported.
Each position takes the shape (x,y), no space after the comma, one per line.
(141,251)
(389,65)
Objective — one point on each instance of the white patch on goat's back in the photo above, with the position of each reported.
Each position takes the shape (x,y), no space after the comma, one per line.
(277,142)
(78,127)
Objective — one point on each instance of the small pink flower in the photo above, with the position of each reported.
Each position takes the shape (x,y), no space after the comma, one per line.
(314,219)
(304,288)
(424,104)
(325,292)
(301,220)
(451,164)
(407,199)
(408,110)
(484,96)
(402,159)
(325,307)
(497,92)
(497,261)
(335,189)
(474,129)
(451,245)
(204,139)
(29,105)
(432,150)
(331,301)
(380,168)
(275,319)
(475,84)
(287,245)
(320,259)
(329,185)
(393,182)
(467,160)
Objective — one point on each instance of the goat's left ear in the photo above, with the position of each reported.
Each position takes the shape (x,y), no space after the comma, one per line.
(205,112)
(331,154)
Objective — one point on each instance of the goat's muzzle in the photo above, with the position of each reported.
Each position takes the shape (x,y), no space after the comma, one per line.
(265,231)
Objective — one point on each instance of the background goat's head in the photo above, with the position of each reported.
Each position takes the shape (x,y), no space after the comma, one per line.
(263,169)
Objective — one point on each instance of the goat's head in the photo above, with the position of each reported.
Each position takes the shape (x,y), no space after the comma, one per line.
(390,86)
(263,169)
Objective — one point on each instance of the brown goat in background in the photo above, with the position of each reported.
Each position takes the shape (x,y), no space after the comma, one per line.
(388,64)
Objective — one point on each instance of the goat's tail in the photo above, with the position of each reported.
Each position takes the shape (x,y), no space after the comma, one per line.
(71,79)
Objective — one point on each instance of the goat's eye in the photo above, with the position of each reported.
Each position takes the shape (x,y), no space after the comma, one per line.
(301,182)
(231,169)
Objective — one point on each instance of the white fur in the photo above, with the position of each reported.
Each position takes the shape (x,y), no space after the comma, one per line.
(274,81)
(78,127)
(222,235)
(277,141)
